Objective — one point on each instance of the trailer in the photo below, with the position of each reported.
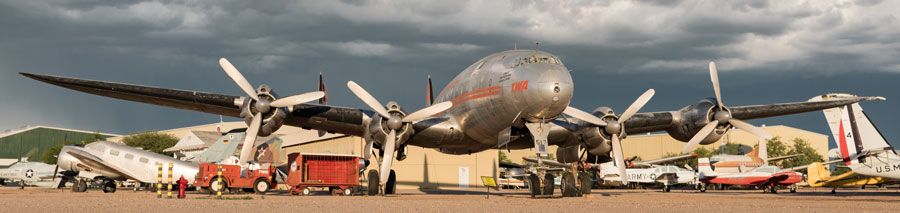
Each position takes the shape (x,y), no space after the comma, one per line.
(337,173)
(234,177)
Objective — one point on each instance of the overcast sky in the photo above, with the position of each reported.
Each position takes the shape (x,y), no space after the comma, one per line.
(767,52)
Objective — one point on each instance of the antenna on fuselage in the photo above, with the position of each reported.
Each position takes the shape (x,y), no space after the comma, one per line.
(537,44)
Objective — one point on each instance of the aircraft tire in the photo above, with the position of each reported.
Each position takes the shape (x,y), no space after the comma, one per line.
(109,187)
(80,186)
(22,184)
(568,187)
(773,189)
(373,183)
(534,185)
(586,183)
(667,188)
(702,187)
(390,186)
(548,184)
(261,186)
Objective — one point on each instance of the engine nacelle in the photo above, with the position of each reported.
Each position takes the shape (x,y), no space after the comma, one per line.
(273,118)
(378,130)
(689,120)
(595,139)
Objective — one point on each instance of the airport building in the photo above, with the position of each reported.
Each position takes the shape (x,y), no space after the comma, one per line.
(34,142)
(429,169)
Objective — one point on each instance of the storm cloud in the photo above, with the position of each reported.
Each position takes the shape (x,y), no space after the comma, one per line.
(767,51)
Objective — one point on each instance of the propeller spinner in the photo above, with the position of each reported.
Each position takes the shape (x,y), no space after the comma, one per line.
(722,117)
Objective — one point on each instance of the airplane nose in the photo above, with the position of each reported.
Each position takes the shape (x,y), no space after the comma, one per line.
(548,92)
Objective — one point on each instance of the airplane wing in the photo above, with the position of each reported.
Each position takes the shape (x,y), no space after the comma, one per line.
(782,157)
(661,121)
(311,116)
(96,162)
(665,160)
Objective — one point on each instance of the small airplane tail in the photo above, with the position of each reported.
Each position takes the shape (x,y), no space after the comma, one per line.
(852,130)
(321,83)
(704,167)
(816,173)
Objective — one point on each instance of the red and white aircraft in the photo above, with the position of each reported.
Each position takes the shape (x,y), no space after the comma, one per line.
(766,177)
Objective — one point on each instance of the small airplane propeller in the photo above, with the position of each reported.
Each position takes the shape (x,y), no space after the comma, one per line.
(262,105)
(394,122)
(614,127)
(722,117)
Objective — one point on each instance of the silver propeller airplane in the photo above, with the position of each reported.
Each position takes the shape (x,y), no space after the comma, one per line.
(512,100)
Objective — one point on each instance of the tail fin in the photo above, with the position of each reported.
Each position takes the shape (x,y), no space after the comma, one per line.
(324,99)
(816,173)
(221,149)
(703,166)
(429,93)
(852,129)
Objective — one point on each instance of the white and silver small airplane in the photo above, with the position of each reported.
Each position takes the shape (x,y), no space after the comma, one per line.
(862,147)
(106,162)
(28,173)
(654,173)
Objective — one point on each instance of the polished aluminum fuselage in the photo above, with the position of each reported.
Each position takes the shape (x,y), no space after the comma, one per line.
(119,161)
(499,91)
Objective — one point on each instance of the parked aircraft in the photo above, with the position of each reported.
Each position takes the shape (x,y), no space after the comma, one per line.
(862,146)
(819,176)
(512,100)
(27,173)
(107,162)
(724,163)
(655,172)
(766,177)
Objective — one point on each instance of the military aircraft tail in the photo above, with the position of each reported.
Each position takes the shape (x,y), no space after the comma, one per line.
(704,167)
(852,130)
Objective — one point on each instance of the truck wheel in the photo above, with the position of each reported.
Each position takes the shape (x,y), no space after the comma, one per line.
(373,183)
(348,192)
(306,191)
(261,186)
(216,186)
(534,185)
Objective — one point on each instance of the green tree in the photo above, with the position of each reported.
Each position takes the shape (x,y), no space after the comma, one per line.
(151,141)
(806,154)
(776,148)
(50,156)
(731,148)
(503,158)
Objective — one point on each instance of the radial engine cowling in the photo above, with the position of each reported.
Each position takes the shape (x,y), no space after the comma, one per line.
(273,117)
(378,126)
(689,120)
(596,139)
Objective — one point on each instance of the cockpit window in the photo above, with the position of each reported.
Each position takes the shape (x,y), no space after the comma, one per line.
(535,59)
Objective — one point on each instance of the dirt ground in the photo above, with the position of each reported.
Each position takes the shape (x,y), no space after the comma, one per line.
(807,200)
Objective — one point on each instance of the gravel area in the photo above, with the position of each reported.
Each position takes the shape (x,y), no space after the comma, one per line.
(819,200)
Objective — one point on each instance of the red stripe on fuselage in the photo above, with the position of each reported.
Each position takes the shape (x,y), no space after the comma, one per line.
(475,94)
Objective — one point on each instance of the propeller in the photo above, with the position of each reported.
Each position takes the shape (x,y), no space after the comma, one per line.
(614,126)
(393,122)
(262,105)
(721,117)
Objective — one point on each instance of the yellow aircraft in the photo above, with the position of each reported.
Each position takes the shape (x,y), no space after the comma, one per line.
(819,176)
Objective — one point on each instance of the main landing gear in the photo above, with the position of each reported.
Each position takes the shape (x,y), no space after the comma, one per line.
(390,186)
(542,181)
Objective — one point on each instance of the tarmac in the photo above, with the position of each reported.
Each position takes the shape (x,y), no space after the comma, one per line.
(35,199)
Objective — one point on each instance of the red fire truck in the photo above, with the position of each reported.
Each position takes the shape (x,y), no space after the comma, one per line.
(255,180)
(338,173)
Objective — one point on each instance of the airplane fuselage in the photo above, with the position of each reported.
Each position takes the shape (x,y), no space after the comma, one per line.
(506,89)
(885,165)
(119,161)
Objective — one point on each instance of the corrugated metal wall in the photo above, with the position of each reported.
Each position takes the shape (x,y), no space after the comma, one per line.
(39,139)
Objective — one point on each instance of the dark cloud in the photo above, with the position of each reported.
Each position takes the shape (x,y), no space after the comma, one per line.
(768,51)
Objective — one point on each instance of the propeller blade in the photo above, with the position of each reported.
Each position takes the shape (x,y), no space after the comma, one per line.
(584,116)
(368,150)
(388,157)
(238,78)
(297,99)
(250,138)
(714,76)
(620,158)
(699,136)
(55,173)
(750,128)
(637,105)
(367,98)
(428,111)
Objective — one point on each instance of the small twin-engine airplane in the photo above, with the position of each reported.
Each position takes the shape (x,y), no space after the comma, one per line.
(654,172)
(512,100)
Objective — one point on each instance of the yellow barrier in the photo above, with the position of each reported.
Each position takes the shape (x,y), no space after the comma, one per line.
(221,186)
(169,195)
(159,175)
